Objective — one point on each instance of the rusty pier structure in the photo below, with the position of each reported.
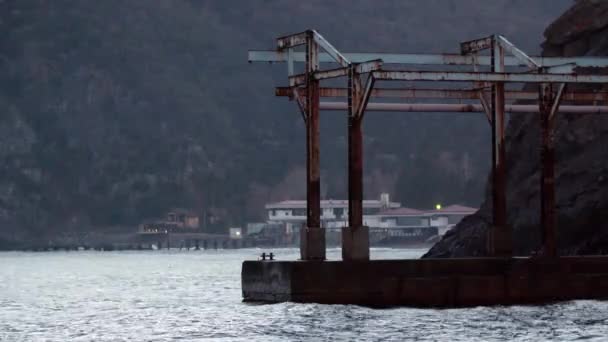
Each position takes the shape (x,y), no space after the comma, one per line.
(489,76)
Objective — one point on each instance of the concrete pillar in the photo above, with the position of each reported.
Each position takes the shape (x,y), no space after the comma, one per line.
(355,243)
(312,246)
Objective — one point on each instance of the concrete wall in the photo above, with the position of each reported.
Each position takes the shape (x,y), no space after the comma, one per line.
(429,282)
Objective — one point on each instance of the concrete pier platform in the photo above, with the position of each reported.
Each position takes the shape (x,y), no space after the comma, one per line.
(427,282)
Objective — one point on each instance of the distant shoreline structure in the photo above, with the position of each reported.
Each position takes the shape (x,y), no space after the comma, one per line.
(390,224)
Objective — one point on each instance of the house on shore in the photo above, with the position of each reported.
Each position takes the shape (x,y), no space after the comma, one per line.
(388,221)
(407,224)
(334,213)
(177,220)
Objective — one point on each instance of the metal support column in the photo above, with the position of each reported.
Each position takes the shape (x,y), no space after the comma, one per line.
(355,237)
(547,179)
(500,241)
(312,245)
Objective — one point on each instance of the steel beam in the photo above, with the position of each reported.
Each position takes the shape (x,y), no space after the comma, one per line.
(301,103)
(355,237)
(557,101)
(355,169)
(369,66)
(365,67)
(331,73)
(567,68)
(547,179)
(293,40)
(330,50)
(272,56)
(457,107)
(358,249)
(500,235)
(476,45)
(487,77)
(517,53)
(301,79)
(463,94)
(486,106)
(312,237)
(369,87)
(290,63)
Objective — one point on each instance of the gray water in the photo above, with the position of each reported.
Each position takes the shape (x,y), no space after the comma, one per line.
(196,296)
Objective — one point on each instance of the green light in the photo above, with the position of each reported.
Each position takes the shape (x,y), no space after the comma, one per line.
(438,206)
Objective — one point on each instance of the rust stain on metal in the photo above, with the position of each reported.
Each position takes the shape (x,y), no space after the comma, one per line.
(547,183)
(476,45)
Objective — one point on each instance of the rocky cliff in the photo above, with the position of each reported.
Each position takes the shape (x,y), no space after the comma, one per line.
(581,153)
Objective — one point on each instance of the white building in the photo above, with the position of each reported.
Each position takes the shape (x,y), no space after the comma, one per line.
(389,223)
(334,213)
(380,213)
(444,219)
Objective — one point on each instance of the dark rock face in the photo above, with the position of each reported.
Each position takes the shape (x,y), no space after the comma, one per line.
(581,168)
(583,18)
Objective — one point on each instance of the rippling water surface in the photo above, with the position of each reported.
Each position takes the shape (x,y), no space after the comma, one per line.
(196,295)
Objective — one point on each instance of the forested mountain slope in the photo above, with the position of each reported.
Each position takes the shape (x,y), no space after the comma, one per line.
(115,111)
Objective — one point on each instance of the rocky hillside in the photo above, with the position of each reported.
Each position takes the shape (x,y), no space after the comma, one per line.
(581,153)
(115,111)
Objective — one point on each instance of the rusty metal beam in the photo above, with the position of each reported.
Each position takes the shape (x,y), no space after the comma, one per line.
(486,106)
(355,155)
(487,77)
(365,67)
(355,237)
(517,53)
(300,79)
(369,87)
(313,237)
(369,66)
(500,234)
(292,40)
(301,103)
(473,46)
(331,73)
(272,56)
(423,93)
(330,50)
(547,179)
(557,101)
(457,107)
